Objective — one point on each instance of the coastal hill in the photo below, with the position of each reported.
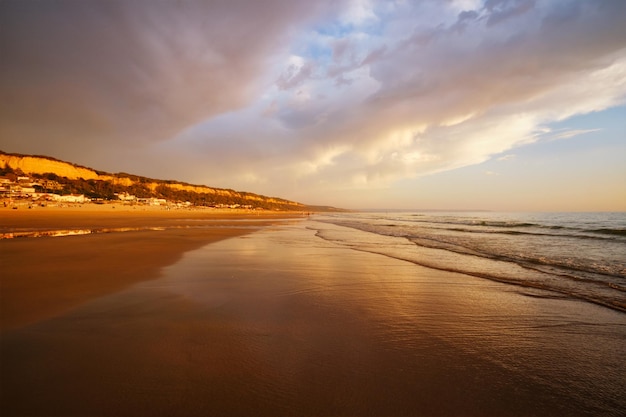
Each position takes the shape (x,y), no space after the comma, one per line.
(68,178)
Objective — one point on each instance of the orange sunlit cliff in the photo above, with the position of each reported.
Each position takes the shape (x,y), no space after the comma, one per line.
(45,175)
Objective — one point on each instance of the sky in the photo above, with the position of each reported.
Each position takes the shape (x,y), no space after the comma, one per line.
(433,104)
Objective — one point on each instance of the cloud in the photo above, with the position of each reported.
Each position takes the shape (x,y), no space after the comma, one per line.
(462,98)
(301,97)
(507,157)
(134,72)
(502,10)
(567,134)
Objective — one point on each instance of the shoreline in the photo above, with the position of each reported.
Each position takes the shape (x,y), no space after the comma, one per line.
(281,322)
(47,276)
(96,216)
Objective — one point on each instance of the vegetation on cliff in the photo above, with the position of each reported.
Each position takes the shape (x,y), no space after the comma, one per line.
(106,186)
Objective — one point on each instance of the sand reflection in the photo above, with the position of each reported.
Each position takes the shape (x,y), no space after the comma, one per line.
(280,322)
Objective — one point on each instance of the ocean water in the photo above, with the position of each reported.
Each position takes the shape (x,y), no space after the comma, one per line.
(561,255)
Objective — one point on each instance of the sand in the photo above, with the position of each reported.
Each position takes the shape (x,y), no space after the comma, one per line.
(97,216)
(43,277)
(274,321)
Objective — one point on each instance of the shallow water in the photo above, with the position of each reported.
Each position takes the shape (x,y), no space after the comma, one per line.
(574,255)
(283,322)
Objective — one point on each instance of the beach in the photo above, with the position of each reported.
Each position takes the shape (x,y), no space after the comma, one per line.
(207,314)
(118,246)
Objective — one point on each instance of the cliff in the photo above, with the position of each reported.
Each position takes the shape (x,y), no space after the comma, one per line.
(43,165)
(78,179)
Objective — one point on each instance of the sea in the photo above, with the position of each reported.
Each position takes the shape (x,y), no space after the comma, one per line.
(556,255)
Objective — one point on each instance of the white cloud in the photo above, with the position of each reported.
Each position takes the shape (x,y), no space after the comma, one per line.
(358,12)
(567,134)
(507,157)
(463,5)
(453,101)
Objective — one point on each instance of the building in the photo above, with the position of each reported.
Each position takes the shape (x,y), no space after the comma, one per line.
(70,198)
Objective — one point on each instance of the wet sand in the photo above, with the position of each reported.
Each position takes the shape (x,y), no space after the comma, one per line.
(42,277)
(279,322)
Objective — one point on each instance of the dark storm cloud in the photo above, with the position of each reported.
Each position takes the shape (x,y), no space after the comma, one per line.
(131,72)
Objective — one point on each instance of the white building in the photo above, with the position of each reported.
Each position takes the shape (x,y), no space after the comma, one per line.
(126,197)
(70,198)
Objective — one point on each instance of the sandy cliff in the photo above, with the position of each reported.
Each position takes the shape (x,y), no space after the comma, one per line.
(39,165)
(29,164)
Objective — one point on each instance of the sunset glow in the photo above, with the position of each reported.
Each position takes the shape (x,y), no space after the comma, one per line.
(496,104)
